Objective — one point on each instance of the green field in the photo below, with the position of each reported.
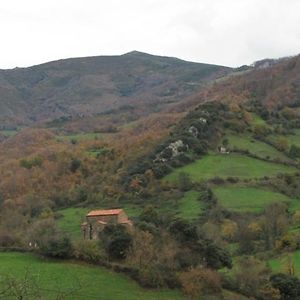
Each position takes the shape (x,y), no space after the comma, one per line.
(245,142)
(229,165)
(248,199)
(257,120)
(70,220)
(279,264)
(88,282)
(190,206)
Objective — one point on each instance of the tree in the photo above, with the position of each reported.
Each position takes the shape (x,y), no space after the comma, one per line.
(150,215)
(274,223)
(75,164)
(261,130)
(294,151)
(183,231)
(200,281)
(49,239)
(250,274)
(229,229)
(282,144)
(116,241)
(289,286)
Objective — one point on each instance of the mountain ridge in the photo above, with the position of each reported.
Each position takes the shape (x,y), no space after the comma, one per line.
(92,85)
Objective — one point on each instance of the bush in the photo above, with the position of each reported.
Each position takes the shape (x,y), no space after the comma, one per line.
(200,281)
(49,239)
(57,246)
(289,286)
(89,251)
(116,241)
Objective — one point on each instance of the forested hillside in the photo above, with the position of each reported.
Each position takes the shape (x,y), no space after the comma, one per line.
(77,87)
(210,178)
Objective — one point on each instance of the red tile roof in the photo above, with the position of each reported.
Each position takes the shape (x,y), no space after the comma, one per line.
(104,212)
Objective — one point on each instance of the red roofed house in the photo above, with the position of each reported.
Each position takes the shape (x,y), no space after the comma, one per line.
(96,220)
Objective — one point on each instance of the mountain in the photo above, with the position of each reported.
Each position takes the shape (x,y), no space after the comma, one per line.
(78,87)
(274,84)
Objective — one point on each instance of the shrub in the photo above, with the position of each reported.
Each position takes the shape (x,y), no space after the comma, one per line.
(289,286)
(89,251)
(200,281)
(116,241)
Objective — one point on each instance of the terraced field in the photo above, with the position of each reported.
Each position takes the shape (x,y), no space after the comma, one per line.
(229,165)
(249,199)
(263,150)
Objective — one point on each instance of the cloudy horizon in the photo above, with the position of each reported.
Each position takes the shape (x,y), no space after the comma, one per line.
(224,32)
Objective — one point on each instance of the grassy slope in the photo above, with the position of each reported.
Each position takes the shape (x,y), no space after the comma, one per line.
(234,165)
(278,264)
(189,206)
(245,142)
(95,282)
(70,220)
(293,139)
(248,199)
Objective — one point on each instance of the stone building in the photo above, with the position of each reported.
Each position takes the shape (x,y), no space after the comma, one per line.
(96,220)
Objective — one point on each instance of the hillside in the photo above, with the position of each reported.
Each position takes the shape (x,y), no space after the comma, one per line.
(78,87)
(210,178)
(275,85)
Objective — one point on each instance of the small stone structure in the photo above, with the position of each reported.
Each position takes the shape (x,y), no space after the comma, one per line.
(223,150)
(96,220)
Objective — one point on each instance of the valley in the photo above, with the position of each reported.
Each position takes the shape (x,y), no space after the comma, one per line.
(208,173)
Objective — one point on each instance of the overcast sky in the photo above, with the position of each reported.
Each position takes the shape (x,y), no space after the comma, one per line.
(226,32)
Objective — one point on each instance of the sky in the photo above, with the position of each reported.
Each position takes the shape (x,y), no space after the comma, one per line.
(224,32)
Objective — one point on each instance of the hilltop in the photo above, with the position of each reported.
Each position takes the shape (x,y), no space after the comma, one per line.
(88,86)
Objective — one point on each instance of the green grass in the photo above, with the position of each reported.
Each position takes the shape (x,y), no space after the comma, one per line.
(248,199)
(229,165)
(278,264)
(295,205)
(190,206)
(292,139)
(257,120)
(263,150)
(91,282)
(295,138)
(71,219)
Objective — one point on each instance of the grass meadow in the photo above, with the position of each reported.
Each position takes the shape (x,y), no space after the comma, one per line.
(230,165)
(248,199)
(85,281)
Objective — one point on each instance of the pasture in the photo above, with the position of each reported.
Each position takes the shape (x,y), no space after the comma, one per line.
(190,206)
(248,199)
(246,142)
(76,281)
(279,264)
(229,165)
